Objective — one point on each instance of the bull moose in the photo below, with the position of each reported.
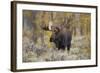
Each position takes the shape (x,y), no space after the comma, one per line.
(60,36)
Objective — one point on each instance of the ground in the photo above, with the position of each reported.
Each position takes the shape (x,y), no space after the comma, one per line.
(80,50)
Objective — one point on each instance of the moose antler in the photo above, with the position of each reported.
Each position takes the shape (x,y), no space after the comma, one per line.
(50,25)
(47,27)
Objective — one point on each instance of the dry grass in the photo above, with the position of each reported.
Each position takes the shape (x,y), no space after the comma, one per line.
(32,52)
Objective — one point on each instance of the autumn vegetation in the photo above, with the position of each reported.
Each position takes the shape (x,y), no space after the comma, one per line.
(36,42)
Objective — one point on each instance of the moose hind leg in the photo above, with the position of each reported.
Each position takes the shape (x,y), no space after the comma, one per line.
(68,48)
